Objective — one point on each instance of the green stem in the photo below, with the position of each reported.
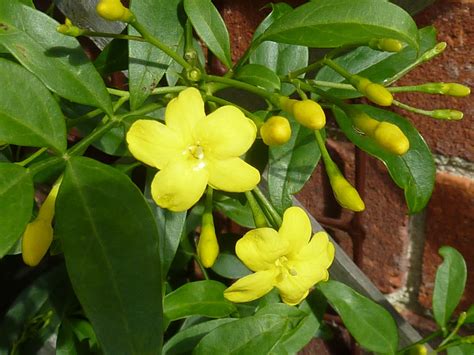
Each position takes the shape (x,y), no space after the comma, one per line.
(117,92)
(201,266)
(337,68)
(139,112)
(168,90)
(261,198)
(98,132)
(223,102)
(421,341)
(44,164)
(160,45)
(244,86)
(243,59)
(459,323)
(331,167)
(72,122)
(258,215)
(308,68)
(113,35)
(330,84)
(32,157)
(411,108)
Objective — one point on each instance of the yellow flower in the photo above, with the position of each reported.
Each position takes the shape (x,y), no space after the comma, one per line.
(38,234)
(289,260)
(193,150)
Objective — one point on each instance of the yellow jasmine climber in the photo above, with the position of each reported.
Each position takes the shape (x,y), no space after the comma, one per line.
(289,260)
(193,150)
(38,235)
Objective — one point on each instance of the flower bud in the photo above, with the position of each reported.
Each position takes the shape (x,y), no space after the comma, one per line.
(36,241)
(286,104)
(275,131)
(386,44)
(113,10)
(455,89)
(208,248)
(390,137)
(309,114)
(69,29)
(376,93)
(447,114)
(345,194)
(418,349)
(364,122)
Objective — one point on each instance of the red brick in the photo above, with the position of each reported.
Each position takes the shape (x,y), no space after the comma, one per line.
(454,65)
(450,221)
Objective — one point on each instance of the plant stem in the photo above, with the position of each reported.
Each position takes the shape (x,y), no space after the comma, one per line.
(80,147)
(116,92)
(225,102)
(113,35)
(168,90)
(32,157)
(421,341)
(298,72)
(337,68)
(459,323)
(330,84)
(203,269)
(244,86)
(160,45)
(261,198)
(258,215)
(44,164)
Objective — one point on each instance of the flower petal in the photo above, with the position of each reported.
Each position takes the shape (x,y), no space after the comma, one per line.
(184,112)
(179,185)
(319,250)
(153,143)
(260,248)
(296,229)
(232,174)
(252,286)
(226,132)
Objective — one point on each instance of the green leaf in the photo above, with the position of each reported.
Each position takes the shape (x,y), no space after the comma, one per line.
(249,335)
(281,58)
(229,266)
(113,58)
(291,165)
(110,244)
(470,315)
(463,349)
(186,340)
(29,115)
(16,204)
(376,65)
(413,7)
(170,227)
(49,292)
(57,60)
(234,209)
(147,63)
(210,27)
(65,343)
(369,323)
(259,75)
(335,23)
(449,284)
(414,171)
(205,298)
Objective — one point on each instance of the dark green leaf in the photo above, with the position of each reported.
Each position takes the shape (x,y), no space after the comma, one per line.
(259,75)
(291,165)
(210,27)
(204,298)
(449,284)
(29,115)
(250,335)
(228,265)
(376,65)
(57,60)
(170,227)
(16,203)
(110,244)
(113,58)
(413,6)
(335,23)
(186,340)
(65,344)
(281,58)
(369,323)
(84,332)
(414,171)
(463,349)
(148,64)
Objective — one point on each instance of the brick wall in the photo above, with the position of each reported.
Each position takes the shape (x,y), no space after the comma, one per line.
(400,251)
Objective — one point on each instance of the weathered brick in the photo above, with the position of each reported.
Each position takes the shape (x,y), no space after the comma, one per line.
(450,221)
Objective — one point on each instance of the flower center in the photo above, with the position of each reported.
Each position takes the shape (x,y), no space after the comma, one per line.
(196,151)
(283,265)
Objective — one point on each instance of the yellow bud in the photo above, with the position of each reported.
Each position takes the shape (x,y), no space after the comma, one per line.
(345,194)
(69,29)
(386,44)
(36,241)
(418,349)
(275,131)
(208,248)
(113,10)
(286,104)
(364,122)
(378,94)
(390,137)
(455,89)
(310,114)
